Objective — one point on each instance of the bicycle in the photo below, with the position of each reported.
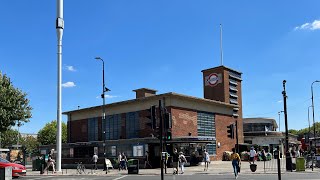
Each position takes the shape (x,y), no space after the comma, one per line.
(81,168)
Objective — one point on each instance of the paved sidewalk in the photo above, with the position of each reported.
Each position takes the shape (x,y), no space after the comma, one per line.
(215,167)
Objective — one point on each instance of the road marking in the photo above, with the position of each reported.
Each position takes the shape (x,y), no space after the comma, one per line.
(120,177)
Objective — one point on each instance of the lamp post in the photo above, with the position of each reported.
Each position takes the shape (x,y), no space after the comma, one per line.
(104,89)
(59,29)
(279,118)
(309,124)
(314,125)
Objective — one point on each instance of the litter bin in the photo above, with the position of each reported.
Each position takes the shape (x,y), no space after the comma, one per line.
(6,173)
(133,166)
(300,164)
(36,164)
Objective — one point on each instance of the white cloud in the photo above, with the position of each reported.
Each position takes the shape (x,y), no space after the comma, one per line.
(280,101)
(107,96)
(70,68)
(68,84)
(315,25)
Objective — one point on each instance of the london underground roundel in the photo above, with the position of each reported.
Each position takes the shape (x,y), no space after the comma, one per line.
(213,79)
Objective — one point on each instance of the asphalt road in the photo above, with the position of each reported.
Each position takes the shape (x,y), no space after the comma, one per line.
(289,176)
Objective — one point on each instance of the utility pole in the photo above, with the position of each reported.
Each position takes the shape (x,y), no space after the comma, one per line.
(288,157)
(59,28)
(161,138)
(313,150)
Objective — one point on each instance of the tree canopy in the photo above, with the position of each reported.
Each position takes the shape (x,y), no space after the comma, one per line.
(48,134)
(14,105)
(9,137)
(303,131)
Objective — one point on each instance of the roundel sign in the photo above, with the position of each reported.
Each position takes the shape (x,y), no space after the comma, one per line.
(213,79)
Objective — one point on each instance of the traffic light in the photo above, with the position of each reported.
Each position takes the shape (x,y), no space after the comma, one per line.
(167,121)
(153,117)
(168,135)
(230,131)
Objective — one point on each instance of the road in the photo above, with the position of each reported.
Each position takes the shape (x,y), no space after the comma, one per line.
(288,176)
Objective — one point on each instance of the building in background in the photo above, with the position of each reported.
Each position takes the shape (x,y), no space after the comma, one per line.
(262,132)
(197,123)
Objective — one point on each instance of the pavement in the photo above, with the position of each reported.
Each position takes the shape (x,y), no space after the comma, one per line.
(215,167)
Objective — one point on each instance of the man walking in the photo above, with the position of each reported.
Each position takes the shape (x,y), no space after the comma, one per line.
(175,161)
(95,160)
(252,155)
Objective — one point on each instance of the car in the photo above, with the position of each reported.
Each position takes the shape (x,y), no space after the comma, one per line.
(17,169)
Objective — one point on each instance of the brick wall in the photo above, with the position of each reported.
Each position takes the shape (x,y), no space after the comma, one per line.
(226,143)
(183,122)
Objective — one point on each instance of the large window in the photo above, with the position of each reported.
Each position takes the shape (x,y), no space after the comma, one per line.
(132,125)
(211,148)
(93,129)
(206,124)
(112,127)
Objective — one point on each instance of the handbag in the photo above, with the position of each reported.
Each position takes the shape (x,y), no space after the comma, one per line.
(239,167)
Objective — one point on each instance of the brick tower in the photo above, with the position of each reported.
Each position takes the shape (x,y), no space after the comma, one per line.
(224,84)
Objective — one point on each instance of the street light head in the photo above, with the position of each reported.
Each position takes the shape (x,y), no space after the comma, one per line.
(98,58)
(284,81)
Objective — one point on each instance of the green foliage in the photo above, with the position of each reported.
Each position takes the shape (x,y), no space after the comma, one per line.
(31,144)
(47,135)
(9,138)
(13,104)
(301,132)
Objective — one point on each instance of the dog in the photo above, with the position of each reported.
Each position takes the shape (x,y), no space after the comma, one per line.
(175,171)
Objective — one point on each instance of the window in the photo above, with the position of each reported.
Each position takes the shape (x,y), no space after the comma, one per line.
(112,127)
(206,124)
(212,149)
(93,129)
(132,125)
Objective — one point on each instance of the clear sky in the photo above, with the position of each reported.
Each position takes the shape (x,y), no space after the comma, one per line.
(162,45)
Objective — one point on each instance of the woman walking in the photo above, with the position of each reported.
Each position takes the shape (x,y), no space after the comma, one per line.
(206,159)
(235,158)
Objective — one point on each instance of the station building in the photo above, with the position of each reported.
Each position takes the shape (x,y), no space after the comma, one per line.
(197,123)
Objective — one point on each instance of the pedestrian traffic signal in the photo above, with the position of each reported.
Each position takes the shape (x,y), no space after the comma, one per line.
(230,131)
(168,135)
(152,116)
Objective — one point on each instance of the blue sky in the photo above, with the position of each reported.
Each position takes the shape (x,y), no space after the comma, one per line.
(162,45)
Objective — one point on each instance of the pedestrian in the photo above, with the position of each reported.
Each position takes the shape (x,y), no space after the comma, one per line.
(175,161)
(252,155)
(95,160)
(119,161)
(182,161)
(235,158)
(50,162)
(206,159)
(124,161)
(147,162)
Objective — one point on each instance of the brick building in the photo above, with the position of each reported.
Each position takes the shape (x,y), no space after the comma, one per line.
(197,123)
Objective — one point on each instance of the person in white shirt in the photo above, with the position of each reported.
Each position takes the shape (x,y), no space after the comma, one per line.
(252,155)
(206,159)
(95,160)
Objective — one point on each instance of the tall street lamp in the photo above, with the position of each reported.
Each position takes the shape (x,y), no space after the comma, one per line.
(314,125)
(309,126)
(104,89)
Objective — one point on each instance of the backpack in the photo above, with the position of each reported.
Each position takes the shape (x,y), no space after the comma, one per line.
(183,158)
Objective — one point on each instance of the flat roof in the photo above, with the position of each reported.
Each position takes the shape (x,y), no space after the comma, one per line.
(222,67)
(158,96)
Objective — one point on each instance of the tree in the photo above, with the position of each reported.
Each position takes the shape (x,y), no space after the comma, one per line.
(14,105)
(31,144)
(48,134)
(9,137)
(293,131)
